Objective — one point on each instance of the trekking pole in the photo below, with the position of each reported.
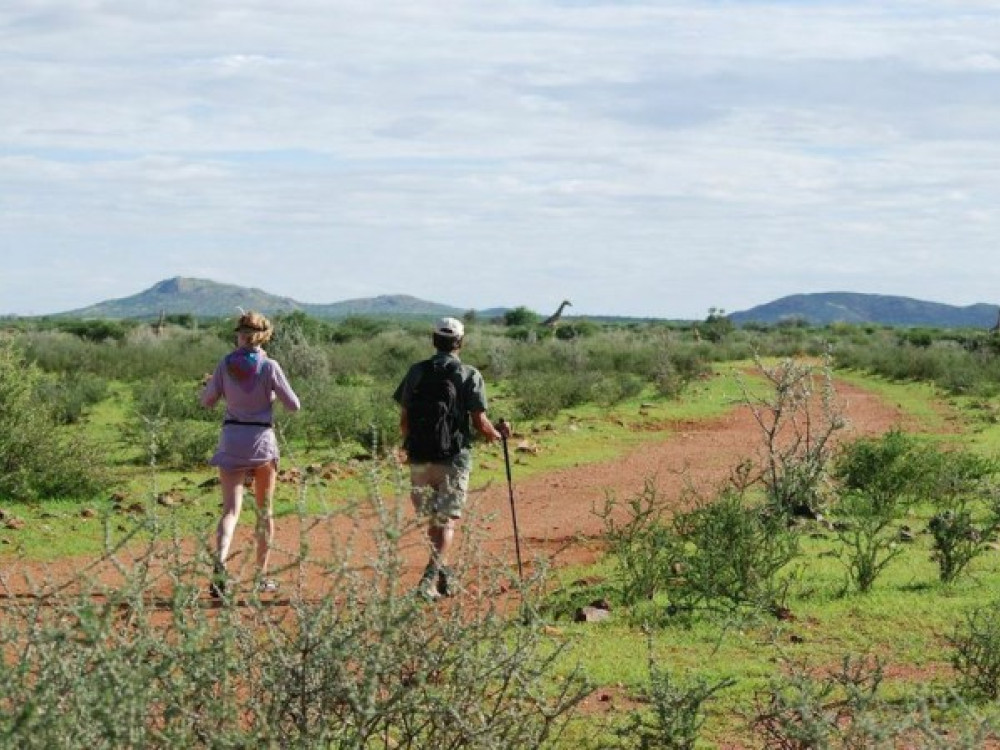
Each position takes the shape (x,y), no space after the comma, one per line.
(513,510)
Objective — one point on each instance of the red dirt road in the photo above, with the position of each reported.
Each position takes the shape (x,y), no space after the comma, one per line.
(554,510)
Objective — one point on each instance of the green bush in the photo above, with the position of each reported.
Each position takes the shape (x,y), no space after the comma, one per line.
(676,715)
(361,663)
(167,398)
(732,555)
(641,543)
(798,416)
(877,479)
(723,555)
(69,394)
(962,489)
(975,652)
(38,458)
(361,414)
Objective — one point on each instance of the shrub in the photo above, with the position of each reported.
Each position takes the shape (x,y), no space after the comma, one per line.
(69,394)
(798,418)
(359,413)
(961,487)
(732,555)
(676,715)
(976,652)
(542,395)
(723,555)
(169,398)
(520,316)
(877,478)
(642,543)
(362,663)
(38,459)
(803,711)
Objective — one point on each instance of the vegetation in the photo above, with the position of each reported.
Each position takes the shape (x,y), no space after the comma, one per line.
(830,593)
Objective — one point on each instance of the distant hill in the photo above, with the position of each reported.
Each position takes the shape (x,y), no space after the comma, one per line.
(209,299)
(848,307)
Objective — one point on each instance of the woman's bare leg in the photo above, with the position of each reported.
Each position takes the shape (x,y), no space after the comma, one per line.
(232,501)
(264,480)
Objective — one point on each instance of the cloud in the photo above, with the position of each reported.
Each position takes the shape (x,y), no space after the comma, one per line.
(636,157)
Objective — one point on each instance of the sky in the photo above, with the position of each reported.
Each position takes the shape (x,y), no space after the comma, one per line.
(638,158)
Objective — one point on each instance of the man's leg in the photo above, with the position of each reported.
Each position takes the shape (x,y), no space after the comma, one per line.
(441,533)
(448,507)
(425,483)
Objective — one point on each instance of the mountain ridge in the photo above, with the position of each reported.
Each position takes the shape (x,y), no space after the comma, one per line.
(206,298)
(824,308)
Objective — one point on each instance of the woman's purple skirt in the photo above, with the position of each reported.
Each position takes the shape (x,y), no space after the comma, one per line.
(243,446)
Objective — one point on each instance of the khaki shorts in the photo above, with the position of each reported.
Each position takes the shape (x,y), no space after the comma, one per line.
(439,490)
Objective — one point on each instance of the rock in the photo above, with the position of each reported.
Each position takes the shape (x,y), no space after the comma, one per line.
(14,524)
(87,513)
(168,499)
(591,614)
(783,613)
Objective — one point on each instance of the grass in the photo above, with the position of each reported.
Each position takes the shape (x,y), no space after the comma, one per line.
(56,528)
(905,620)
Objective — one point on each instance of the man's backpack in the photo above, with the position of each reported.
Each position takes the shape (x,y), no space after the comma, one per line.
(433,413)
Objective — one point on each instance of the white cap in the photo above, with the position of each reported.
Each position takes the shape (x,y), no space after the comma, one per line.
(449,327)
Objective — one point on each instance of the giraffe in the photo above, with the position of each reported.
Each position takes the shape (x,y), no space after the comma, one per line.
(553,320)
(161,323)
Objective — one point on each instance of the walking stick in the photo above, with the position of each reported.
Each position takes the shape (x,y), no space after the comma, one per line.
(513,510)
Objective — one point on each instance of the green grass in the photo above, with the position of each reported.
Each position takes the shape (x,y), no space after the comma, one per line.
(905,620)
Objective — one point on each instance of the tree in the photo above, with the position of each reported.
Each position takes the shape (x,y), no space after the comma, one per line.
(521,316)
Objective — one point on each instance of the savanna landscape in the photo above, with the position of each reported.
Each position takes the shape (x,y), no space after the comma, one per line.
(756,536)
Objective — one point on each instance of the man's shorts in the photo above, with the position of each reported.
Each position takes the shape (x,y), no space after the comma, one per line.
(439,490)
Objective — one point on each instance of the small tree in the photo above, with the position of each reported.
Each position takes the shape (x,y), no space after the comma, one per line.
(520,316)
(877,478)
(716,326)
(38,459)
(798,417)
(960,484)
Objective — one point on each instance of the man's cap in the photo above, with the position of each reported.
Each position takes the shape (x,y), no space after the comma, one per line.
(449,327)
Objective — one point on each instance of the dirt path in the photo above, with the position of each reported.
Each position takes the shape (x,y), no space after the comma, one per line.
(554,510)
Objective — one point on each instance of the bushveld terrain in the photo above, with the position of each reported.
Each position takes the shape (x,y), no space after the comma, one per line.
(771,537)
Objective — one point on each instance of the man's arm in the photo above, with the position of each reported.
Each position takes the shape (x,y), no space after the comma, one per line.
(485,427)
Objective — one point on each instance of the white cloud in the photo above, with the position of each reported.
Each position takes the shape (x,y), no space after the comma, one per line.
(653,154)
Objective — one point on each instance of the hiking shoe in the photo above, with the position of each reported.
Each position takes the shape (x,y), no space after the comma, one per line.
(218,587)
(447,582)
(428,586)
(267,586)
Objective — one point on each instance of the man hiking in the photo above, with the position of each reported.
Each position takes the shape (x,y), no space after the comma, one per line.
(441,399)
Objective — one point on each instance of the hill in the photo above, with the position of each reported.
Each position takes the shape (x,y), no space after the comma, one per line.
(208,299)
(849,307)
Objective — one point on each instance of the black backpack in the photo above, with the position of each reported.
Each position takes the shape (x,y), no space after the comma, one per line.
(433,413)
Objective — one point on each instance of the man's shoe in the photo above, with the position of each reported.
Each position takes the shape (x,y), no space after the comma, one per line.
(428,586)
(447,583)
